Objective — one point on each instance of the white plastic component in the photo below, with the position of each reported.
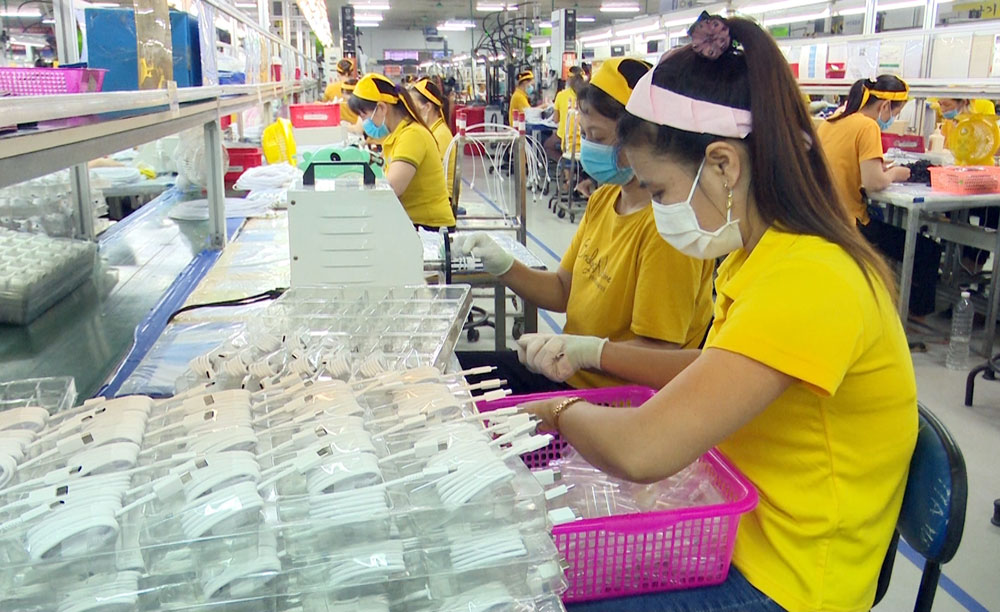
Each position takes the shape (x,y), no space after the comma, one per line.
(559,516)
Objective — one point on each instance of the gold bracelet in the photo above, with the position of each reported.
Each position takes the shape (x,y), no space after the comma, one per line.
(563,405)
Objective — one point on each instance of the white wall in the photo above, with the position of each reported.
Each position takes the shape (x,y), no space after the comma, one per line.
(375,40)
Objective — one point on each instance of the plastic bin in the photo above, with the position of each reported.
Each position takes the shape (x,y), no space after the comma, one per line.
(965,180)
(315,115)
(911,143)
(632,554)
(241,159)
(55,394)
(43,81)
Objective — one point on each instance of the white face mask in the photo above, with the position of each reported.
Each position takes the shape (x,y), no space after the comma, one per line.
(678,225)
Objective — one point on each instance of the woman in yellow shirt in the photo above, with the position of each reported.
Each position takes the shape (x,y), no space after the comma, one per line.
(333,90)
(435,110)
(805,381)
(413,165)
(852,143)
(618,279)
(520,99)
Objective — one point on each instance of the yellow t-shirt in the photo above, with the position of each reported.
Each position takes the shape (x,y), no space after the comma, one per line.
(518,101)
(346,114)
(846,143)
(332,91)
(442,136)
(830,456)
(628,282)
(565,100)
(426,197)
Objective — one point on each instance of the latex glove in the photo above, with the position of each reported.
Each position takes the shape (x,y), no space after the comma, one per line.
(560,356)
(495,260)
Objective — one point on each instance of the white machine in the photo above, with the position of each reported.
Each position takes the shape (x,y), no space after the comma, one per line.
(343,234)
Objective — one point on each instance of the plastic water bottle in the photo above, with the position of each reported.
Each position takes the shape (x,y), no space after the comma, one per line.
(961,333)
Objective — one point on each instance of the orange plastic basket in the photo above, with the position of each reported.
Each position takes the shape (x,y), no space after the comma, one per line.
(966,180)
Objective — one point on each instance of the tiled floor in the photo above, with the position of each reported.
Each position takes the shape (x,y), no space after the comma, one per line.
(972,580)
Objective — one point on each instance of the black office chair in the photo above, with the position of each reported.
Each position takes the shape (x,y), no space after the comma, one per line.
(932,518)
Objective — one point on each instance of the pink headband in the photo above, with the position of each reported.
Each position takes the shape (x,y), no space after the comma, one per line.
(664,107)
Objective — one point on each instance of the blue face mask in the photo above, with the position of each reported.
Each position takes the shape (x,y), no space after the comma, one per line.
(885,124)
(377,132)
(950,114)
(600,161)
(530,90)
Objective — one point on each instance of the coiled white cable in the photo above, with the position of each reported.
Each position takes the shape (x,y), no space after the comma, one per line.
(119,592)
(483,550)
(229,510)
(31,418)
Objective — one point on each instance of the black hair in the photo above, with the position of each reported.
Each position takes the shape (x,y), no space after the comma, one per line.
(886,82)
(790,181)
(600,101)
(360,106)
(444,107)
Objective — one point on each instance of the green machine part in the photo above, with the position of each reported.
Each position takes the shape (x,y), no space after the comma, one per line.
(341,154)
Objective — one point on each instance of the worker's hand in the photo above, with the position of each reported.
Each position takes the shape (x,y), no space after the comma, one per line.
(586,187)
(560,356)
(495,260)
(899,174)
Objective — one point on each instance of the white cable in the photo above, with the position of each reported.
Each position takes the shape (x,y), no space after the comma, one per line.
(352,471)
(113,457)
(32,418)
(228,509)
(104,594)
(75,529)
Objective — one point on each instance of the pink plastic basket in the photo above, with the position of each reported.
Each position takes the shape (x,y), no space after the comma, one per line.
(650,552)
(41,81)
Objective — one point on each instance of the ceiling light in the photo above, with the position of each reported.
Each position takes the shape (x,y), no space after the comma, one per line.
(371,6)
(779,6)
(457,25)
(48,21)
(494,7)
(675,23)
(460,58)
(366,24)
(20,13)
(586,19)
(895,6)
(595,37)
(796,18)
(620,7)
(315,13)
(652,27)
(368,17)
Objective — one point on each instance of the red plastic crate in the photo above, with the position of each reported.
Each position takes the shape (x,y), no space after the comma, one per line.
(240,159)
(42,81)
(911,143)
(315,115)
(965,180)
(648,552)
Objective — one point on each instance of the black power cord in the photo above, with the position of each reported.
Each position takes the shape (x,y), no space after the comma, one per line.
(271,294)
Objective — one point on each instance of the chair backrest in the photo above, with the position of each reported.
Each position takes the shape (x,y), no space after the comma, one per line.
(932,518)
(933,515)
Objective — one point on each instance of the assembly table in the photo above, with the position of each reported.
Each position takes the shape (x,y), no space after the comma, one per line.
(911,205)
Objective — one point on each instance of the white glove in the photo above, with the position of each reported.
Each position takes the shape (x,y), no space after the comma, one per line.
(560,356)
(495,260)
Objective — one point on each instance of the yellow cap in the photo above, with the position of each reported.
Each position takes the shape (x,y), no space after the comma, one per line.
(421,86)
(376,88)
(610,79)
(894,96)
(525,76)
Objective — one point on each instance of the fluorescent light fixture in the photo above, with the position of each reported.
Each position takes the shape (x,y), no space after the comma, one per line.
(596,43)
(456,25)
(652,27)
(796,18)
(606,34)
(585,19)
(368,17)
(779,6)
(545,24)
(895,6)
(371,6)
(495,7)
(621,41)
(460,58)
(620,7)
(48,21)
(676,23)
(21,13)
(366,24)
